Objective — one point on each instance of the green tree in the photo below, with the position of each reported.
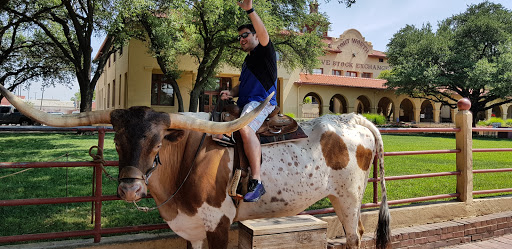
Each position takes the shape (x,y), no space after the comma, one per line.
(469,55)
(77,97)
(20,53)
(67,28)
(207,30)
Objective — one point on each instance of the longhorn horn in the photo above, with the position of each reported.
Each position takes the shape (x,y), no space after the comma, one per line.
(82,119)
(179,121)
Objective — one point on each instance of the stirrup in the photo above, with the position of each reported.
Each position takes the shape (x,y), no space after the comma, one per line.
(225,141)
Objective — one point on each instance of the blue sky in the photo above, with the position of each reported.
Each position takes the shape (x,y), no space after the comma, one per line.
(377,20)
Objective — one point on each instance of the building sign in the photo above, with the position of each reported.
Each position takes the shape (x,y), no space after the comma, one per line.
(340,64)
(357,42)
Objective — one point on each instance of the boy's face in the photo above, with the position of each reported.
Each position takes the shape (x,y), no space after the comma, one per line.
(249,42)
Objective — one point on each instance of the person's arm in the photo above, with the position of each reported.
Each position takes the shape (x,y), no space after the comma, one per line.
(256,21)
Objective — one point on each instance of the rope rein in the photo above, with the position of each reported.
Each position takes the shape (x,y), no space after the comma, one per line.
(98,158)
(24,170)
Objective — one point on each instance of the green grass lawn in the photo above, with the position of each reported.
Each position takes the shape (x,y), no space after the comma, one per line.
(61,182)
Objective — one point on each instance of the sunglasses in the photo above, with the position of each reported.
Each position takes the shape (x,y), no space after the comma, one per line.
(244,35)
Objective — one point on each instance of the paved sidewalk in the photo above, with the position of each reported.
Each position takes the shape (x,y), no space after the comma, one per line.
(503,242)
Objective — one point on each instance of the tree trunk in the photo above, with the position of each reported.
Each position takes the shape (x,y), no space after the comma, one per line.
(86,99)
(194,99)
(177,93)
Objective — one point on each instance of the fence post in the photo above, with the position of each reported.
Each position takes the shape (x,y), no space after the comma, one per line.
(98,191)
(464,143)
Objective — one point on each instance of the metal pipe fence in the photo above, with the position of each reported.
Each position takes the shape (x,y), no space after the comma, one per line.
(97,198)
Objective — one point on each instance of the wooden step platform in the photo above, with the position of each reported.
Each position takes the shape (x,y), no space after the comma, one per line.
(294,232)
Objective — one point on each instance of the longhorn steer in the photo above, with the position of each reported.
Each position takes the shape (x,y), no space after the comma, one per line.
(334,162)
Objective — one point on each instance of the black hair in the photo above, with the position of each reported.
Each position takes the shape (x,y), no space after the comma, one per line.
(247,26)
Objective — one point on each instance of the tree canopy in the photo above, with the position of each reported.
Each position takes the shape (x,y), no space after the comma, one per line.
(59,34)
(207,30)
(21,50)
(469,56)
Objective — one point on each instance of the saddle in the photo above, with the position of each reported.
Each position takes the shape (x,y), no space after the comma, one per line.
(276,124)
(276,128)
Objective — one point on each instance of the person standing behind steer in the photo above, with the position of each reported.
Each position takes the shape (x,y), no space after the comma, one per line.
(258,79)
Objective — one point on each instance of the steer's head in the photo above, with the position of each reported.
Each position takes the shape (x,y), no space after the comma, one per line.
(139,135)
(138,139)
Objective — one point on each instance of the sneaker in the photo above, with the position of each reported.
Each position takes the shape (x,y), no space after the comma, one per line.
(224,141)
(255,191)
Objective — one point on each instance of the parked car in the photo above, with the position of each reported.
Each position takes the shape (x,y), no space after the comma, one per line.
(56,113)
(10,115)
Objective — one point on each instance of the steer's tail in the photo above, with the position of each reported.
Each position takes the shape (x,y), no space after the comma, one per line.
(383,232)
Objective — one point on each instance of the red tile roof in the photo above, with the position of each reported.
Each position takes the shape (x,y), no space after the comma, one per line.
(333,80)
(377,53)
(6,102)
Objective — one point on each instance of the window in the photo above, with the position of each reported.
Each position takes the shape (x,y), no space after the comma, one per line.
(366,75)
(114,93)
(5,109)
(336,72)
(318,71)
(120,51)
(109,61)
(162,92)
(120,84)
(351,74)
(381,60)
(108,95)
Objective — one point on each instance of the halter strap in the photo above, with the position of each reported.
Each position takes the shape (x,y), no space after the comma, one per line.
(147,209)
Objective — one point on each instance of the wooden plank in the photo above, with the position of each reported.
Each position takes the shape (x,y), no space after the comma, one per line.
(311,239)
(282,225)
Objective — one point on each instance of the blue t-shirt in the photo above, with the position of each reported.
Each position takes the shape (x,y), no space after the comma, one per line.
(259,76)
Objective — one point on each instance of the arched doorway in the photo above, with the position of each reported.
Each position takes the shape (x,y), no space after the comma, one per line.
(406,111)
(496,111)
(445,115)
(481,115)
(363,104)
(311,106)
(338,104)
(509,112)
(427,112)
(386,107)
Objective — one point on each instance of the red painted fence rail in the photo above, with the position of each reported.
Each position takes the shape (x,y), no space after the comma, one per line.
(98,198)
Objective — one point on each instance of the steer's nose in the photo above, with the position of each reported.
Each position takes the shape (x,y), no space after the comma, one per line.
(131,192)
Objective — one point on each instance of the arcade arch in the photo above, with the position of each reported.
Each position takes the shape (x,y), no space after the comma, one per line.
(363,105)
(497,111)
(445,115)
(509,112)
(481,116)
(312,105)
(426,112)
(406,111)
(386,107)
(338,104)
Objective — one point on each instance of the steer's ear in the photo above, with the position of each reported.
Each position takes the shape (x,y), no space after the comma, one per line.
(174,135)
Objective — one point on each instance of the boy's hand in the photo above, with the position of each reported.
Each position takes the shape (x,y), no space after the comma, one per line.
(245,4)
(225,94)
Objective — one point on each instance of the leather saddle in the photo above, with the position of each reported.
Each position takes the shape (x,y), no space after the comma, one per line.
(275,124)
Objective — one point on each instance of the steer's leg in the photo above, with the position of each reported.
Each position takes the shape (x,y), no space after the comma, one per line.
(195,244)
(218,239)
(348,213)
